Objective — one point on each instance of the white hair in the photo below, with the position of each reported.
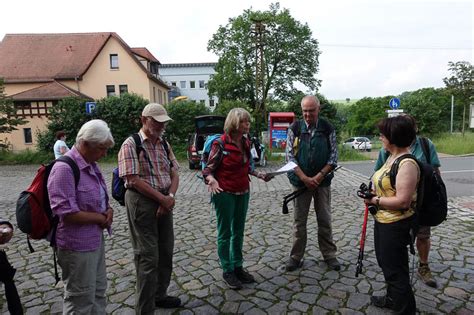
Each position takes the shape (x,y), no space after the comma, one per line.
(95,131)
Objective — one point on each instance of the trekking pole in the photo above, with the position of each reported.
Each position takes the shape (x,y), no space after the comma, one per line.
(362,242)
(299,192)
(365,193)
(291,197)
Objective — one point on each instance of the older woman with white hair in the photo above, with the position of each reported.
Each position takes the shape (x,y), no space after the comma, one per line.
(84,212)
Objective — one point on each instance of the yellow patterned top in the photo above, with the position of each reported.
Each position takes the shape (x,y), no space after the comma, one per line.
(383,188)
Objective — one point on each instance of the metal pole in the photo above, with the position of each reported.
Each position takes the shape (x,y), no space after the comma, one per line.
(452,111)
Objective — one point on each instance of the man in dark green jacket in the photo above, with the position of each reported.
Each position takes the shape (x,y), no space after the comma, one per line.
(311,144)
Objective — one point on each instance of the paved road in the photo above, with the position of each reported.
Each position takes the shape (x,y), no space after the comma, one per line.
(197,277)
(457,173)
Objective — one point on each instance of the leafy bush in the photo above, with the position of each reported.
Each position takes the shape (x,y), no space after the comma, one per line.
(122,114)
(68,115)
(25,157)
(183,113)
(225,106)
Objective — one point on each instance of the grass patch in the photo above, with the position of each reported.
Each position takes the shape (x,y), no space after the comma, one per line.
(455,144)
(180,150)
(346,154)
(25,157)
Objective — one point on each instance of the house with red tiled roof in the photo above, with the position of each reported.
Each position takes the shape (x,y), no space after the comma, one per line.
(41,69)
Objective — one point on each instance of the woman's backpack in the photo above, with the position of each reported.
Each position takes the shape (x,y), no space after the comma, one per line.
(432,199)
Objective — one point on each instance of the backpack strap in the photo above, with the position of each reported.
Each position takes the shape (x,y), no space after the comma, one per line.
(167,150)
(75,169)
(295,128)
(220,141)
(138,143)
(396,164)
(139,147)
(425,146)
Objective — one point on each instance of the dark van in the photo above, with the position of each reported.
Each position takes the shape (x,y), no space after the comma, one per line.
(205,125)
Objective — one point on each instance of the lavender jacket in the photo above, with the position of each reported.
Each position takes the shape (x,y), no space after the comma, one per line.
(90,195)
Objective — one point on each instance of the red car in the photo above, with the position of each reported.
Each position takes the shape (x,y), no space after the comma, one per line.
(205,125)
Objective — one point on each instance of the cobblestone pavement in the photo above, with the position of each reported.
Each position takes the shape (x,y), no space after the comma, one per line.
(197,276)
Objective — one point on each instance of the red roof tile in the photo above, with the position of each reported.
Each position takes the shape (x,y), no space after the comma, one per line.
(145,53)
(43,57)
(48,92)
(36,57)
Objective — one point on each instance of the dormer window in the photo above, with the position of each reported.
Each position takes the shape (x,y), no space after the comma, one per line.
(154,67)
(114,64)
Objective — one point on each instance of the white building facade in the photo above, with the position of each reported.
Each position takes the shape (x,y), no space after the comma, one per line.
(189,79)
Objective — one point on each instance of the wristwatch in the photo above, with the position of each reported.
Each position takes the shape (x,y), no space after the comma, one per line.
(171,195)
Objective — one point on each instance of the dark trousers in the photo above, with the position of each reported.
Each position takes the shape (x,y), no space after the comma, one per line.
(7,272)
(391,242)
(152,242)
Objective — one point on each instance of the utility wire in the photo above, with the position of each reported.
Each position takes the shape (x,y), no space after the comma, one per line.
(394,47)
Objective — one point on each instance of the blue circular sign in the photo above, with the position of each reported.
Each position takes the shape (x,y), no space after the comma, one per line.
(394,103)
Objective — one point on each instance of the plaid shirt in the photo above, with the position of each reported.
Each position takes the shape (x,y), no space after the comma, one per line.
(157,176)
(90,195)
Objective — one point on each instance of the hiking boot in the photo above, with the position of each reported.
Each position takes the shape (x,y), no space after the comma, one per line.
(168,302)
(293,264)
(425,275)
(243,275)
(232,281)
(381,301)
(333,264)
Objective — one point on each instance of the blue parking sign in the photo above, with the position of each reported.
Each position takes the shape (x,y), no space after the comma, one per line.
(394,103)
(90,108)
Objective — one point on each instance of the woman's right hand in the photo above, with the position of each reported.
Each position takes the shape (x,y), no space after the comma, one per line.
(213,185)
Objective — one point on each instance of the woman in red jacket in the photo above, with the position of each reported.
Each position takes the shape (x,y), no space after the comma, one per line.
(227,176)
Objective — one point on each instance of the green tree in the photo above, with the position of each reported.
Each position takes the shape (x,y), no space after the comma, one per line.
(183,113)
(364,115)
(424,105)
(68,115)
(290,56)
(328,111)
(225,106)
(8,118)
(122,114)
(461,84)
(275,105)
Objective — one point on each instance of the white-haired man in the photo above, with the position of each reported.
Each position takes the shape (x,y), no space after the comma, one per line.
(151,177)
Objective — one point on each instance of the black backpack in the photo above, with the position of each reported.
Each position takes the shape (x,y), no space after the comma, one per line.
(432,199)
(118,183)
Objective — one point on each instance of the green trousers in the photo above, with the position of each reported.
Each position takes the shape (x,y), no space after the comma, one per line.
(231,211)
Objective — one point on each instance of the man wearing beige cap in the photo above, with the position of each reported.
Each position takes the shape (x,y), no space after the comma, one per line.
(150,170)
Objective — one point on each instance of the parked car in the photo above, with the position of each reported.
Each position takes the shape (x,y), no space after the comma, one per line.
(358,143)
(204,125)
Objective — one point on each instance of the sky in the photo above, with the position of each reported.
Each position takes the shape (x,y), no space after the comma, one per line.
(369,48)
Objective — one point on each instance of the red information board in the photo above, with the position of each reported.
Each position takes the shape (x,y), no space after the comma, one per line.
(278,124)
